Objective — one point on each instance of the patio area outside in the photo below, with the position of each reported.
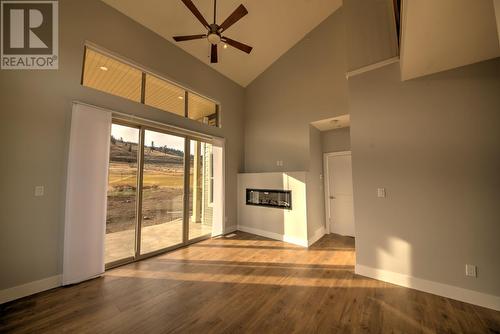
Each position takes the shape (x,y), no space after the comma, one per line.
(120,245)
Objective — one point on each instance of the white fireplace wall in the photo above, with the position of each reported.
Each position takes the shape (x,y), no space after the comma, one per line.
(275,223)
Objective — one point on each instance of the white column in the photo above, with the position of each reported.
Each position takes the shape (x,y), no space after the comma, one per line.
(86,194)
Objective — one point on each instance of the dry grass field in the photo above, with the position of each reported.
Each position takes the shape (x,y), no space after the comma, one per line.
(163,182)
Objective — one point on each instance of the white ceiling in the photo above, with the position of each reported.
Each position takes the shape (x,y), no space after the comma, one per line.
(445,34)
(342,121)
(270,27)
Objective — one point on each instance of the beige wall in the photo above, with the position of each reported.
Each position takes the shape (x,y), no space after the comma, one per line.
(315,189)
(497,16)
(446,34)
(35,108)
(434,144)
(370,32)
(306,84)
(336,140)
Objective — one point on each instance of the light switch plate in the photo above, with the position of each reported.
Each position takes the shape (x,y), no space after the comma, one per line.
(470,270)
(39,191)
(381,192)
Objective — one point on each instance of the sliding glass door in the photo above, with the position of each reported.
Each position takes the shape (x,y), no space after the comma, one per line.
(164,191)
(121,215)
(201,189)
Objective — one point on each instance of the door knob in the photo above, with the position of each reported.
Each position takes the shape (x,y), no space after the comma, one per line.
(332,197)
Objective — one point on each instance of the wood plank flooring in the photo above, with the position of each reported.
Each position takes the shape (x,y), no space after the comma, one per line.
(244,284)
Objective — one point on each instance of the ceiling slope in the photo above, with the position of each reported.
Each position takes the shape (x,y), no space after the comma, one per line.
(445,34)
(271,27)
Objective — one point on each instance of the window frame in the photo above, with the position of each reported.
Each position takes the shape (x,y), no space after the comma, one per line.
(145,71)
(211,179)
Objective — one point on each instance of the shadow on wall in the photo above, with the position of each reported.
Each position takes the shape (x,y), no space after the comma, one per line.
(396,253)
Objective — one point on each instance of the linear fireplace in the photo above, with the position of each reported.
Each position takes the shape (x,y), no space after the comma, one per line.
(271,198)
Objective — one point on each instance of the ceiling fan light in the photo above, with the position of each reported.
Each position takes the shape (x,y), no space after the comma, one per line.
(213,38)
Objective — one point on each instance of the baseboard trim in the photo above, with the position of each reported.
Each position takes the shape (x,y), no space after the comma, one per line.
(230,229)
(30,288)
(318,234)
(272,235)
(440,289)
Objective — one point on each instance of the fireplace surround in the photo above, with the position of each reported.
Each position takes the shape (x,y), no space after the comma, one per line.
(281,199)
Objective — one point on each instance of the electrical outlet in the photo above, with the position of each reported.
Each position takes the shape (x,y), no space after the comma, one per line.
(381,192)
(39,191)
(470,270)
(279,163)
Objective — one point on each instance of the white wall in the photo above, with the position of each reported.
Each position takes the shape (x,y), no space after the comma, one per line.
(276,223)
(434,144)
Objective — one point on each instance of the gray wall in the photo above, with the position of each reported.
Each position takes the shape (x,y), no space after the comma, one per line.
(370,32)
(434,143)
(35,109)
(306,84)
(497,16)
(315,189)
(336,140)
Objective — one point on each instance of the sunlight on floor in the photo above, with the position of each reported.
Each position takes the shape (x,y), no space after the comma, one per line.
(284,264)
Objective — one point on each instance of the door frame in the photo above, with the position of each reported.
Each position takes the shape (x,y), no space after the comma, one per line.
(327,184)
(221,142)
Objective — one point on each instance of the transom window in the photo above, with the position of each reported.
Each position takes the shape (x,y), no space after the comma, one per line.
(114,76)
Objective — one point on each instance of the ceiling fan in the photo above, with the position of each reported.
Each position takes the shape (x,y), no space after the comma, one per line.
(215,31)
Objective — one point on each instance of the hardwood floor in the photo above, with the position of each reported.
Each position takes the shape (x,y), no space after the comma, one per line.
(244,284)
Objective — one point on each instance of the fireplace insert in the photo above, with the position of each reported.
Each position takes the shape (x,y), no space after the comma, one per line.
(271,198)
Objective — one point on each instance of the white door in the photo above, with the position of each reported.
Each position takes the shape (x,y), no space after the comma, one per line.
(339,194)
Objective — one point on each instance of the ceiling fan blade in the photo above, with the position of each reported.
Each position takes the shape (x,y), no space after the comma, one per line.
(213,54)
(238,45)
(234,17)
(190,5)
(188,38)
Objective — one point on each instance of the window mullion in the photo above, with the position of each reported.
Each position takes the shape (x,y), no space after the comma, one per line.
(143,88)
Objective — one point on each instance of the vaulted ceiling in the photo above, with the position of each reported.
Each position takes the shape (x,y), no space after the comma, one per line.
(271,28)
(445,34)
